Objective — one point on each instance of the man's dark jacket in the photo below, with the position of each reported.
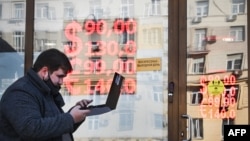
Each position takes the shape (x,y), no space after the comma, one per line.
(30,112)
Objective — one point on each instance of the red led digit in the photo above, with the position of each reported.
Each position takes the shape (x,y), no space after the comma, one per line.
(112,48)
(130,63)
(226,80)
(76,62)
(116,65)
(217,77)
(203,80)
(210,78)
(129,86)
(217,114)
(131,26)
(211,114)
(223,113)
(101,27)
(89,49)
(99,66)
(232,91)
(89,26)
(130,47)
(69,85)
(210,101)
(226,102)
(232,114)
(75,47)
(203,90)
(203,111)
(232,79)
(87,82)
(102,48)
(119,26)
(216,101)
(88,67)
(232,101)
(100,86)
(204,101)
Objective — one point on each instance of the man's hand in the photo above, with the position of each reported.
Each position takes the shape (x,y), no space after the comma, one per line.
(84,103)
(77,114)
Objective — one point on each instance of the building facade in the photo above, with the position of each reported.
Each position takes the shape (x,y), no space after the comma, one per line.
(133,37)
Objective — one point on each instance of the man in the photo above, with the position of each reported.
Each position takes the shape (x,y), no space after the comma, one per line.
(31,108)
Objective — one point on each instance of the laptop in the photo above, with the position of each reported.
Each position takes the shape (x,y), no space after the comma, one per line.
(112,99)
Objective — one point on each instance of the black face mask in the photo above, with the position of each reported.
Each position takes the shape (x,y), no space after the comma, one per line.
(54,89)
(55,93)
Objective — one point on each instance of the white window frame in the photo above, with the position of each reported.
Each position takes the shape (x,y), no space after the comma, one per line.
(1,10)
(18,41)
(157,94)
(200,41)
(237,33)
(93,123)
(18,11)
(158,121)
(124,37)
(126,121)
(197,65)
(127,9)
(238,6)
(196,95)
(52,13)
(42,10)
(68,10)
(202,8)
(152,36)
(40,45)
(156,7)
(232,59)
(96,9)
(197,128)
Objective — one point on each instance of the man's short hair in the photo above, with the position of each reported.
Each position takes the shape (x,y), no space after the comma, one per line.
(53,59)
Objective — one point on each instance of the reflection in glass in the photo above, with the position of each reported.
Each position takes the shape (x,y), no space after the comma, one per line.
(100,38)
(216,66)
(12,21)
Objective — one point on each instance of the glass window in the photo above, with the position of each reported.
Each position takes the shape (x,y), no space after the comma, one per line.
(198,65)
(196,97)
(18,11)
(202,8)
(68,10)
(42,11)
(1,9)
(234,61)
(12,39)
(237,33)
(200,36)
(100,37)
(238,6)
(18,41)
(197,128)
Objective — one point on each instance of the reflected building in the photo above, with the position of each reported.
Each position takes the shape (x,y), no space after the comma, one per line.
(216,51)
(100,38)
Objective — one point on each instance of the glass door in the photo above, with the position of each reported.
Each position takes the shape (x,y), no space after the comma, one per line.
(101,37)
(217,67)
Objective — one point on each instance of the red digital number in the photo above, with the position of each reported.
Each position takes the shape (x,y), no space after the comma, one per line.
(91,26)
(70,32)
(121,26)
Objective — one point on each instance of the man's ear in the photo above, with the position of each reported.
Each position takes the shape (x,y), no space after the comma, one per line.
(44,73)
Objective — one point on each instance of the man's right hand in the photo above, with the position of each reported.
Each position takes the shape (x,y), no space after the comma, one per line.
(78,114)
